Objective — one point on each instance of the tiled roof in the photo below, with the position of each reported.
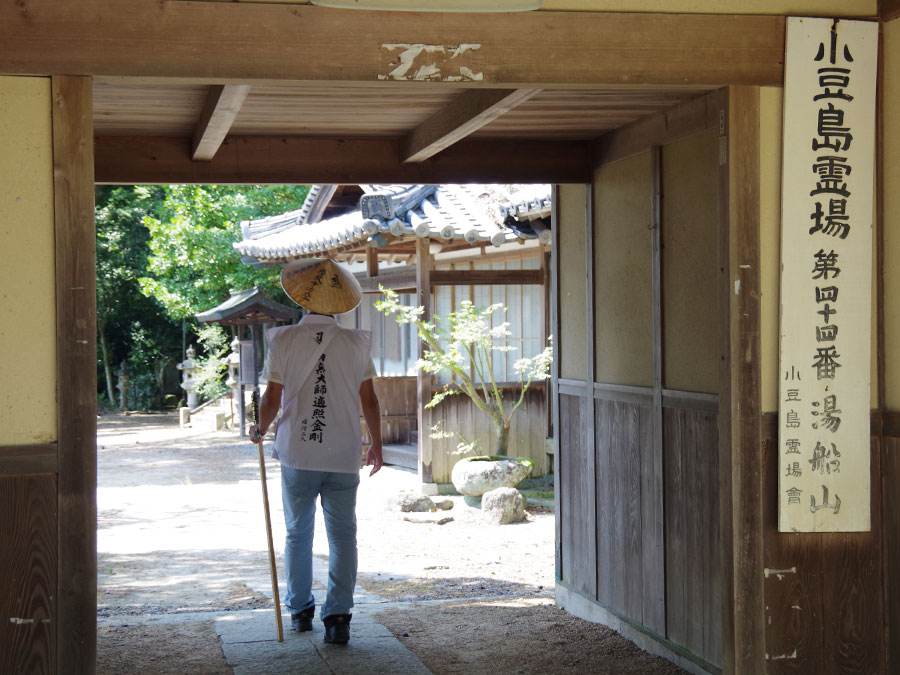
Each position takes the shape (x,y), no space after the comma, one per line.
(250,306)
(472,213)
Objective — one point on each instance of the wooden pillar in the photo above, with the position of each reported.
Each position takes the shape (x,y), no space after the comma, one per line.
(547,330)
(588,437)
(372,262)
(554,372)
(76,357)
(423,380)
(653,557)
(740,445)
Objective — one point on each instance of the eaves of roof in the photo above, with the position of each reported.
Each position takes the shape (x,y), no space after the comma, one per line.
(473,214)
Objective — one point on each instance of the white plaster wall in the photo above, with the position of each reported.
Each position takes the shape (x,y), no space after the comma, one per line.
(27,272)
(623,277)
(573,314)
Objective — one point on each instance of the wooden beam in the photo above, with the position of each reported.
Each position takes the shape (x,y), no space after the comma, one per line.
(888,10)
(404,281)
(466,114)
(246,43)
(740,442)
(223,103)
(675,123)
(76,368)
(407,279)
(277,160)
(486,277)
(19,460)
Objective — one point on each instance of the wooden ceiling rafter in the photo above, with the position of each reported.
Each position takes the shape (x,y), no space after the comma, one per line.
(466,114)
(223,103)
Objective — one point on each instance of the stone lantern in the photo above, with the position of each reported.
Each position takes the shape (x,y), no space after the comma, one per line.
(188,367)
(123,387)
(233,361)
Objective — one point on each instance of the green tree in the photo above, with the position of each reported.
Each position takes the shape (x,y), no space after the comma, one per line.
(193,265)
(124,314)
(165,253)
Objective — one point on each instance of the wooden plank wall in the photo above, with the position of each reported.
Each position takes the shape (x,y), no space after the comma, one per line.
(890,479)
(579,535)
(641,486)
(823,593)
(623,432)
(397,399)
(527,437)
(694,584)
(669,587)
(28,568)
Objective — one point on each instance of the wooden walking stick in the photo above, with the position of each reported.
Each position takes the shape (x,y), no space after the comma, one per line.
(254,414)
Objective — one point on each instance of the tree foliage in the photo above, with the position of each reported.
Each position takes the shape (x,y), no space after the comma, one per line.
(192,265)
(164,253)
(127,320)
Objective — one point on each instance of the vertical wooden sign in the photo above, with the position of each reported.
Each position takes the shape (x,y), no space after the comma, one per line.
(826,275)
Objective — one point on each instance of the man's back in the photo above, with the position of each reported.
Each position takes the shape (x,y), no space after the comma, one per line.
(321,366)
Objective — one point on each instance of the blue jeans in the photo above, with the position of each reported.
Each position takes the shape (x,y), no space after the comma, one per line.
(299,489)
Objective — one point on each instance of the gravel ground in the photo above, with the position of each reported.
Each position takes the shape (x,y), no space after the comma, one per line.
(181,541)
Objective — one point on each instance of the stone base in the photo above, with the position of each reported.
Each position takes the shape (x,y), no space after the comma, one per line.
(430,489)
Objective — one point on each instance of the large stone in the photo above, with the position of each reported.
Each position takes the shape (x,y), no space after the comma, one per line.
(474,476)
(411,502)
(503,506)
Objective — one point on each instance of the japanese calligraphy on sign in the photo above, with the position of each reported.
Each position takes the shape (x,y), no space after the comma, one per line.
(826,276)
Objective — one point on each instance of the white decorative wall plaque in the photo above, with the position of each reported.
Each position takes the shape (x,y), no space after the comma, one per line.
(826,276)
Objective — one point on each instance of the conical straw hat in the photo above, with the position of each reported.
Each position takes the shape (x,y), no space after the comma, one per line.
(321,286)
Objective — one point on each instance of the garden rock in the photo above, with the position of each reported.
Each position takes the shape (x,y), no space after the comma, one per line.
(503,506)
(411,501)
(444,504)
(475,476)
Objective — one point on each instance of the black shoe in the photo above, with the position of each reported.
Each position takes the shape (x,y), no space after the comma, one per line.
(337,628)
(302,621)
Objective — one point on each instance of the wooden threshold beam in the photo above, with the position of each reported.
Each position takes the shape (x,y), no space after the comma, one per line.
(223,103)
(466,114)
(248,43)
(280,160)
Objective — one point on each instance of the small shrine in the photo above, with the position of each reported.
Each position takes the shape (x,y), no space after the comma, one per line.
(251,308)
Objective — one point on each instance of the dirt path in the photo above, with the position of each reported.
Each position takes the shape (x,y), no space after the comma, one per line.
(181,542)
